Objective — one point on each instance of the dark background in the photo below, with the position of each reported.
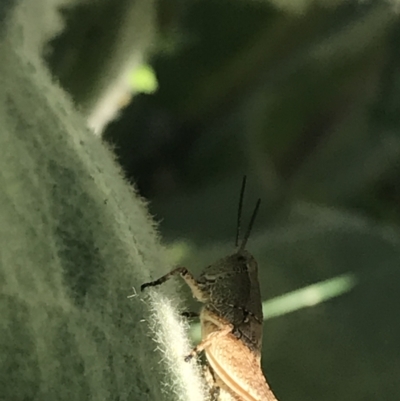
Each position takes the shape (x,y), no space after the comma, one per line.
(304,98)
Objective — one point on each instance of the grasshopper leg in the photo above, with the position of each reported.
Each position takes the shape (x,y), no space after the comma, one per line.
(197,291)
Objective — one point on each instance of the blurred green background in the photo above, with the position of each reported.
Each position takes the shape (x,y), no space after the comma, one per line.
(304,98)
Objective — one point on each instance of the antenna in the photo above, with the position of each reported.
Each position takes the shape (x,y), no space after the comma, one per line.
(249,228)
(239,216)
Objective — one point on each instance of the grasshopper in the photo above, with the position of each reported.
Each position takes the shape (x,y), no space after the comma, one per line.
(231,320)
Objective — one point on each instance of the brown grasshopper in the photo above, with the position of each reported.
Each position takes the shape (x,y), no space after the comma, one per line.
(231,320)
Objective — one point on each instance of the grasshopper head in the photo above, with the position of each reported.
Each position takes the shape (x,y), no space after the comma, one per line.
(234,294)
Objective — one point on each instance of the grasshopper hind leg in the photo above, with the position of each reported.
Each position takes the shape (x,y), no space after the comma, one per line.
(209,377)
(217,390)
